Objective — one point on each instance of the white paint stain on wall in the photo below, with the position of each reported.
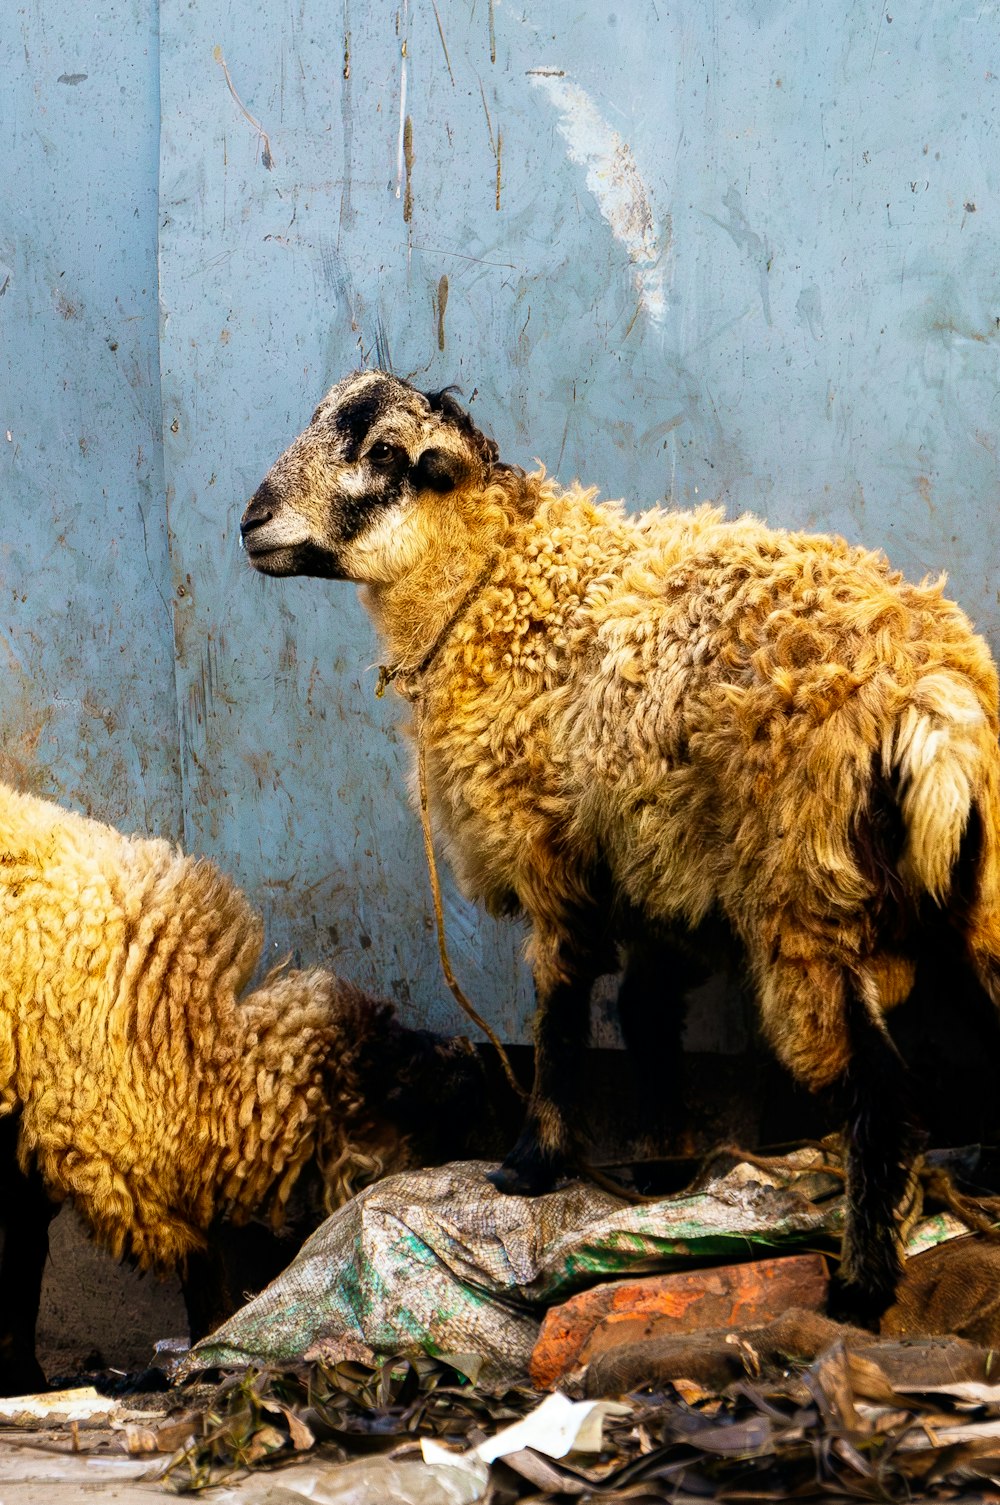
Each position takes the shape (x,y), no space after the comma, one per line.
(616,183)
(404,27)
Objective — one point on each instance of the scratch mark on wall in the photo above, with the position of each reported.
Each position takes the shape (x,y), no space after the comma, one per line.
(266,155)
(408,161)
(16,661)
(496,143)
(444,44)
(383,354)
(809,310)
(489,123)
(479,260)
(616,183)
(441,303)
(493,33)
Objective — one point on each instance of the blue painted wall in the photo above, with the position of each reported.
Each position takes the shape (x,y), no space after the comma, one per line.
(745,251)
(86,650)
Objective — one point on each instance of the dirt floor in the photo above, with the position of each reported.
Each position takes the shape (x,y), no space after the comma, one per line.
(97,1314)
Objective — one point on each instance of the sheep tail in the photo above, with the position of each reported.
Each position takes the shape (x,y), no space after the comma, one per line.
(934,754)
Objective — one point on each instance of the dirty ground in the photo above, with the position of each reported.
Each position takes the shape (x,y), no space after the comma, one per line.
(423,1348)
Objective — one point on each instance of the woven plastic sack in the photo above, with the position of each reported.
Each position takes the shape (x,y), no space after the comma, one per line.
(440,1262)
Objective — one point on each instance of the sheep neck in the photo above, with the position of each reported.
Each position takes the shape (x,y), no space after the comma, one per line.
(407,677)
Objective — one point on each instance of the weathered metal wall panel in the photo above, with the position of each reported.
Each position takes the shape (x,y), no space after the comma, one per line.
(745,252)
(86,645)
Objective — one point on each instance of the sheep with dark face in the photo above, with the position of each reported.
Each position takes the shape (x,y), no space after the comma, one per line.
(639,724)
(141,1077)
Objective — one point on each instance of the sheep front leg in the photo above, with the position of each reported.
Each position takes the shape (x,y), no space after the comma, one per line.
(564,977)
(26,1212)
(652,999)
(882,1143)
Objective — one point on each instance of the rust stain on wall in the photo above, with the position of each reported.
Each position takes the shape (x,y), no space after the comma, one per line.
(408,162)
(442,304)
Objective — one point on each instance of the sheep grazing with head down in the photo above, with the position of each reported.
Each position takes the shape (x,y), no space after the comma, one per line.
(141,1079)
(670,724)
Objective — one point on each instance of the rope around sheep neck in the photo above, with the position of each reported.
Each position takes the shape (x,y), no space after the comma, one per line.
(387,673)
(413,693)
(449,976)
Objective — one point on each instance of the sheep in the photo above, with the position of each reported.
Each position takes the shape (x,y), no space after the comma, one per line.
(139,1078)
(659,729)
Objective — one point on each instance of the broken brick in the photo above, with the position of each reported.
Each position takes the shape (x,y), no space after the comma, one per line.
(625,1311)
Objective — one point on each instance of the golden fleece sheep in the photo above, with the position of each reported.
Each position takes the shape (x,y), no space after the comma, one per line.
(639,727)
(140,1078)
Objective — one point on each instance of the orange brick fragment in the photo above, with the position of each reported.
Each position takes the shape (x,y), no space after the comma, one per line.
(626,1311)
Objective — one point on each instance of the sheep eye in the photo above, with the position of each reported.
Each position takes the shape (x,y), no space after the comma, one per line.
(380,453)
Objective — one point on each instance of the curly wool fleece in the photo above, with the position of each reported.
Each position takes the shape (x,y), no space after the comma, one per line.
(701,704)
(150,1090)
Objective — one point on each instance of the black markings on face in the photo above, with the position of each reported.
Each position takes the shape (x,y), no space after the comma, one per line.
(387,473)
(356,417)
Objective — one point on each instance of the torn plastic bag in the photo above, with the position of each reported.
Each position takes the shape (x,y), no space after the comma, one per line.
(439,1261)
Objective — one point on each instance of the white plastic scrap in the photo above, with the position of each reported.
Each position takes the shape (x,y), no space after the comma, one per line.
(557,1427)
(56,1408)
(364,1481)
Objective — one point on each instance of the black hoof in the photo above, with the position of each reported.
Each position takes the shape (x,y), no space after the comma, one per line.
(24,1378)
(519,1181)
(528,1171)
(858,1306)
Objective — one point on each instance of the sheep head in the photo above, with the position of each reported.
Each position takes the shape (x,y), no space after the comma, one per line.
(344,500)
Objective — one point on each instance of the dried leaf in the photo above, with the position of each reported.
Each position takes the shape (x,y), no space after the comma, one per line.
(136,1440)
(868,1381)
(691,1392)
(266,1440)
(831,1375)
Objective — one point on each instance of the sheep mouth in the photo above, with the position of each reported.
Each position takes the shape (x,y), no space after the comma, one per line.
(272,561)
(282,560)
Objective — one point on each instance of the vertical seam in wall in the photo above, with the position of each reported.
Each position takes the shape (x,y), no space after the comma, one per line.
(168,490)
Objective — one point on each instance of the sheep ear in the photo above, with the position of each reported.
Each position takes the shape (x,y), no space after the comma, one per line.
(442,402)
(437,471)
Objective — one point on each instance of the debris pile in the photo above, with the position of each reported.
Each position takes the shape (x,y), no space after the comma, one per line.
(886,1421)
(435,1341)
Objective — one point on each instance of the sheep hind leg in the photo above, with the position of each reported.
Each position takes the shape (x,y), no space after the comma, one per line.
(205,1288)
(544,1148)
(651,1007)
(882,1144)
(26,1212)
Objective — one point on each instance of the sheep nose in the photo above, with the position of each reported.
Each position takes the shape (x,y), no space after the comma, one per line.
(260,509)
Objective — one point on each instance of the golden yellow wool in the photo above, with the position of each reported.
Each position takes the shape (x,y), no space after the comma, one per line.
(703,705)
(151,1090)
